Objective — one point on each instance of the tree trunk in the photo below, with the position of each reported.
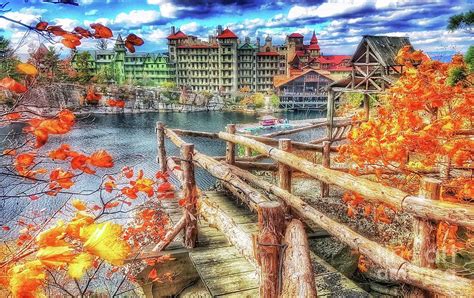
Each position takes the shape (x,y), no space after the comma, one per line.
(298,275)
(160,137)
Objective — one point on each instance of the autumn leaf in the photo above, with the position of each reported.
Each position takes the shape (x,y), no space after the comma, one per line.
(55,256)
(101,31)
(41,26)
(104,240)
(12,85)
(79,265)
(153,274)
(101,159)
(79,205)
(41,135)
(27,279)
(27,69)
(134,40)
(83,32)
(25,159)
(53,236)
(130,47)
(13,116)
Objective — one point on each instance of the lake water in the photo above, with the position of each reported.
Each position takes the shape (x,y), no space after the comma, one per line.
(131,140)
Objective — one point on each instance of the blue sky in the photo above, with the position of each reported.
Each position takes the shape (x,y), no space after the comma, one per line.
(339,24)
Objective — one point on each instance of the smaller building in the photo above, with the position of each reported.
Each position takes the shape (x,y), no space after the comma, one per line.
(305,90)
(123,67)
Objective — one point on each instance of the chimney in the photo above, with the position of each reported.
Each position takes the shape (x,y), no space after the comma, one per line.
(247,39)
(258,43)
(219,30)
(173,30)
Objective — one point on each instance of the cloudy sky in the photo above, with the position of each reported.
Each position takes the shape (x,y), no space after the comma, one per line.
(339,24)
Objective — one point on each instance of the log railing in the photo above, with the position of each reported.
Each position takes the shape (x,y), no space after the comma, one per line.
(425,207)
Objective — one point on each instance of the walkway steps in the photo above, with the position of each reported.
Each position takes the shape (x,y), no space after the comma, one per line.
(226,273)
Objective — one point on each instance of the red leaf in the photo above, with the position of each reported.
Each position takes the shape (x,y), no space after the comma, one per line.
(5,228)
(12,85)
(130,47)
(153,274)
(41,26)
(101,31)
(134,40)
(165,187)
(34,197)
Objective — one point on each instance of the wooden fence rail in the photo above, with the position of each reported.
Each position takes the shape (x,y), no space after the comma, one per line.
(456,213)
(425,207)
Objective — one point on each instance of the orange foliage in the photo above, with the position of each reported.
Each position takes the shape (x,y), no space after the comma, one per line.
(416,130)
(12,85)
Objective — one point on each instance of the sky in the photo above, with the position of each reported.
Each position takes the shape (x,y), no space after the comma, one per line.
(339,24)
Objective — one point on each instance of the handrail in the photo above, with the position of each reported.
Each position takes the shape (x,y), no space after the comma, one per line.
(265,140)
(456,213)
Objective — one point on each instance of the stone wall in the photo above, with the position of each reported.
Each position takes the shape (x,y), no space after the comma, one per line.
(137,99)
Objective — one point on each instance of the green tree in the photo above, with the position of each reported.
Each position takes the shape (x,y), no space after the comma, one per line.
(83,66)
(8,61)
(464,21)
(275,100)
(469,59)
(258,100)
(105,75)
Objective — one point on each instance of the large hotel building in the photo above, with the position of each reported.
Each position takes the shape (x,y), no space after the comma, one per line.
(226,64)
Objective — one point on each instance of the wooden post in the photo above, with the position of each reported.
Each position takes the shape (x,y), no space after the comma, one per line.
(248,152)
(271,223)
(160,139)
(424,230)
(367,106)
(330,113)
(190,194)
(297,275)
(230,147)
(326,162)
(284,171)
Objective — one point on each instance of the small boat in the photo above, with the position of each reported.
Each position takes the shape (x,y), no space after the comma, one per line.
(270,121)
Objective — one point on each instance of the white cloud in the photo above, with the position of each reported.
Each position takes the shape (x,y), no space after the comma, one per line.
(86,2)
(192,27)
(28,16)
(67,24)
(137,17)
(91,12)
(328,9)
(167,8)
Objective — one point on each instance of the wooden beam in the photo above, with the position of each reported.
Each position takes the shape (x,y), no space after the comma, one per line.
(190,195)
(160,138)
(284,171)
(170,235)
(456,213)
(396,268)
(271,225)
(230,147)
(326,162)
(297,275)
(424,242)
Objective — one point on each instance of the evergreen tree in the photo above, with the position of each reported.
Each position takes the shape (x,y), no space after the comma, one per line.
(84,72)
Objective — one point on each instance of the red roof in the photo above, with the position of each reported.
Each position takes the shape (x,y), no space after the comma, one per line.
(178,35)
(334,59)
(313,46)
(314,40)
(299,53)
(268,54)
(227,34)
(296,35)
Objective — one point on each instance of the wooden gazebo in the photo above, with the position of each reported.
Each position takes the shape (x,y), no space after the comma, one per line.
(374,69)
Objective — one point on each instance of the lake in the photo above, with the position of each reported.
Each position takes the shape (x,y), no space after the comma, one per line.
(131,140)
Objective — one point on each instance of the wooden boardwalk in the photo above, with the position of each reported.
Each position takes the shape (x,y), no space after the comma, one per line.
(226,273)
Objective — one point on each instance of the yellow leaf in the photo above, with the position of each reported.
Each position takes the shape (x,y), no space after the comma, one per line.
(27,68)
(55,256)
(27,279)
(79,205)
(53,236)
(79,265)
(104,240)
(81,219)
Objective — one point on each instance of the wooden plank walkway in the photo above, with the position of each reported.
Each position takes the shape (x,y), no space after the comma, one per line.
(225,273)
